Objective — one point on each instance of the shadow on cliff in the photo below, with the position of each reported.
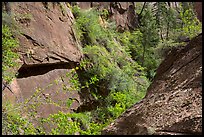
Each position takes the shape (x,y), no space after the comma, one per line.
(89,103)
(34,70)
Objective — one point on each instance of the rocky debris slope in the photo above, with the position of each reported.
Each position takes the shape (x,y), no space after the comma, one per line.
(173,104)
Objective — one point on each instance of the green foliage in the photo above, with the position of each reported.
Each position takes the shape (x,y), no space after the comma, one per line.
(18,125)
(165,16)
(9,44)
(147,41)
(133,44)
(149,29)
(73,124)
(13,123)
(69,102)
(165,46)
(191,25)
(9,21)
(75,81)
(87,26)
(120,100)
(64,126)
(161,26)
(105,14)
(98,56)
(75,11)
(115,71)
(111,64)
(177,21)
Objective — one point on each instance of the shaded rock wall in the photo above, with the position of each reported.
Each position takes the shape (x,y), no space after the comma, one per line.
(173,104)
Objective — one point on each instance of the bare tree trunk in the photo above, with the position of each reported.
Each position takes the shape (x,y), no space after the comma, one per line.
(161,34)
(7,7)
(144,48)
(167,32)
(142,9)
(169,4)
(198,9)
(140,14)
(176,7)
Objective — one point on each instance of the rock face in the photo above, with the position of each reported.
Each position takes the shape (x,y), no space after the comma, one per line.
(173,104)
(122,13)
(198,9)
(48,51)
(47,34)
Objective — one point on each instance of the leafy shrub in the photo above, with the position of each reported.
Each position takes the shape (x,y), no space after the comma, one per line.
(87,26)
(13,123)
(73,124)
(105,14)
(110,61)
(191,25)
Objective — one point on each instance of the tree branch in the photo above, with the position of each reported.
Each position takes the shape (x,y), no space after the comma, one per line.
(142,9)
